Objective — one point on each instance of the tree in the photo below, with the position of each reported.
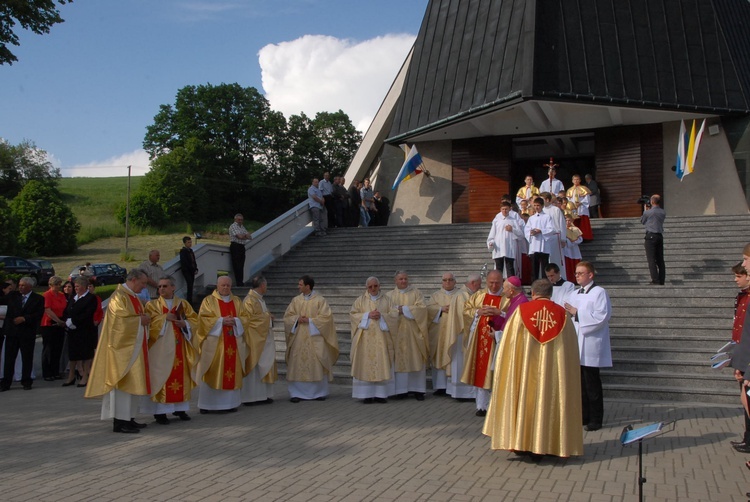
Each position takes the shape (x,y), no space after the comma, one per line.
(22,163)
(221,149)
(8,229)
(37,16)
(339,137)
(47,226)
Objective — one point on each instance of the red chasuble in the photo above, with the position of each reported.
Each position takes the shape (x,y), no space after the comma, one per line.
(138,307)
(230,347)
(485,335)
(174,390)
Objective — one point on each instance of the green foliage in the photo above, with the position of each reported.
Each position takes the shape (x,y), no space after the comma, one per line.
(220,150)
(22,163)
(37,16)
(47,226)
(8,229)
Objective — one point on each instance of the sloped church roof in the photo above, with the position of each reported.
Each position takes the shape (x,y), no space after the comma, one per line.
(473,57)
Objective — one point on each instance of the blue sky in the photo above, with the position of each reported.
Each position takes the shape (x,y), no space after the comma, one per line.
(86,91)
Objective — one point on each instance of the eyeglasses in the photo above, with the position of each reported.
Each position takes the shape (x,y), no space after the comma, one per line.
(581,273)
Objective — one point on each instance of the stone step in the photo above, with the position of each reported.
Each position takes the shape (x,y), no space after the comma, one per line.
(662,336)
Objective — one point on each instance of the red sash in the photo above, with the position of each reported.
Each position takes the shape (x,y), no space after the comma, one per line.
(485,342)
(543,319)
(174,389)
(230,347)
(138,307)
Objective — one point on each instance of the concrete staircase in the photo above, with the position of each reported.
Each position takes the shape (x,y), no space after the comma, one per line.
(662,336)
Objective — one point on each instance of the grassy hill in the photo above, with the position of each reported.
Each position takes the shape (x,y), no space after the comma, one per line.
(102,239)
(94,202)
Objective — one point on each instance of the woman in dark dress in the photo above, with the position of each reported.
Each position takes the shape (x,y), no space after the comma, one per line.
(81,331)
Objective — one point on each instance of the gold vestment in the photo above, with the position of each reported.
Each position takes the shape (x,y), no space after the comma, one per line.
(171,375)
(310,358)
(536,401)
(257,331)
(372,352)
(215,365)
(410,336)
(121,359)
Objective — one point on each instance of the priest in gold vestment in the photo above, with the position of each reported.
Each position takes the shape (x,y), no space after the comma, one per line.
(536,405)
(120,372)
(450,353)
(219,337)
(312,347)
(171,355)
(409,338)
(480,347)
(260,365)
(439,332)
(372,353)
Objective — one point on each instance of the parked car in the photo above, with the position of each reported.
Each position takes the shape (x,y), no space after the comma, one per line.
(21,266)
(47,271)
(103,273)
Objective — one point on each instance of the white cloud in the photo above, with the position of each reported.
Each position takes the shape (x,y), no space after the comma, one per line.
(317,73)
(114,166)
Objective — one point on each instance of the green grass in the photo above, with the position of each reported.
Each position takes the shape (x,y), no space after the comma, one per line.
(102,239)
(94,202)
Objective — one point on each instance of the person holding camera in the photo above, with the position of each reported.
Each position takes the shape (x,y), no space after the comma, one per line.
(653,219)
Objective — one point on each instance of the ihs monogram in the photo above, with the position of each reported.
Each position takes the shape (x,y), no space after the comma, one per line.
(543,320)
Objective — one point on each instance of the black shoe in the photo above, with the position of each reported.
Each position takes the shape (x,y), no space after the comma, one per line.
(321,398)
(68,384)
(295,400)
(124,426)
(439,392)
(182,415)
(27,387)
(162,419)
(481,413)
(3,389)
(536,457)
(738,443)
(401,396)
(595,427)
(742,448)
(204,412)
(381,400)
(368,400)
(137,425)
(49,379)
(82,384)
(419,396)
(267,401)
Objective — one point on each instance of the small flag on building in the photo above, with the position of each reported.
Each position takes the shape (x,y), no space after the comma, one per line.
(687,149)
(413,165)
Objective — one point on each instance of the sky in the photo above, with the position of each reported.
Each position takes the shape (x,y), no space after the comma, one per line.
(86,91)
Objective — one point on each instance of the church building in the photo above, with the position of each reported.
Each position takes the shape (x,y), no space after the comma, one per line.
(493,89)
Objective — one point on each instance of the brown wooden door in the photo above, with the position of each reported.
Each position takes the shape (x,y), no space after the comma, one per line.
(481,173)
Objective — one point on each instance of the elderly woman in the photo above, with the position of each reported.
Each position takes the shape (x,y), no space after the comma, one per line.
(52,329)
(81,331)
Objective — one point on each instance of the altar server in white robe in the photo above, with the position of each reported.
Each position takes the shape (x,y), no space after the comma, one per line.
(557,242)
(560,287)
(591,310)
(539,230)
(503,238)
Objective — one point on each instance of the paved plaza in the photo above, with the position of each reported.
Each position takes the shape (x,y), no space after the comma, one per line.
(55,448)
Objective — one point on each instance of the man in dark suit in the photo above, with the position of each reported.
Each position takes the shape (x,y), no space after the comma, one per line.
(25,310)
(188,266)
